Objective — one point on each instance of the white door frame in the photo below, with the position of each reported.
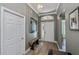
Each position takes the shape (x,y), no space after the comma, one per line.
(13,12)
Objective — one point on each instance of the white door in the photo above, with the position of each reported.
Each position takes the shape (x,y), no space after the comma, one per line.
(13,40)
(48,31)
(20,35)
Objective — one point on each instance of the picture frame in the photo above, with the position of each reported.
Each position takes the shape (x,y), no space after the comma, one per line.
(33,25)
(74,19)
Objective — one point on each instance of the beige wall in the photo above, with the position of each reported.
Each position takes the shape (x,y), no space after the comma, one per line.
(71,36)
(25,10)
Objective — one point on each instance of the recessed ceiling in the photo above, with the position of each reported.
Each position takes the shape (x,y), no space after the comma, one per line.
(44,7)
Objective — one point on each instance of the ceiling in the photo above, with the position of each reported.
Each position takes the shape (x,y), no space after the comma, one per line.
(44,7)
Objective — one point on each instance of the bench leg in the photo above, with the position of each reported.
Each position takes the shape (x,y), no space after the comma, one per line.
(37,42)
(32,47)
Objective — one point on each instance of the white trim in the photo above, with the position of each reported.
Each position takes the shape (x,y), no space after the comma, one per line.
(14,12)
(2,10)
(32,8)
(37,11)
(26,52)
(1,30)
(63,48)
(58,46)
(58,7)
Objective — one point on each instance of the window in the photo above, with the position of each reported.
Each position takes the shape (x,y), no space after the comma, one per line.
(63,28)
(47,18)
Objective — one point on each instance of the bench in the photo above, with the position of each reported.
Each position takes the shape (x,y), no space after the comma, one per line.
(33,42)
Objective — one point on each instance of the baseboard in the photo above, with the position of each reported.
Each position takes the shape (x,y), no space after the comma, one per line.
(57,44)
(27,51)
(64,50)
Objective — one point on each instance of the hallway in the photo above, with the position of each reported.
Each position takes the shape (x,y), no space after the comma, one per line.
(39,28)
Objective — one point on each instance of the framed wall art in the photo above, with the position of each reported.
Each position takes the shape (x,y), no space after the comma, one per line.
(74,19)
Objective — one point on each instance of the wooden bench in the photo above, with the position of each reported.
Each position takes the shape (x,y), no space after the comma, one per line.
(33,42)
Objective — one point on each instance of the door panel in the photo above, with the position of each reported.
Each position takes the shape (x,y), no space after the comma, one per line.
(13,34)
(9,39)
(20,35)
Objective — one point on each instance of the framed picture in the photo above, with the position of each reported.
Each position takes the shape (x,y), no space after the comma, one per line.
(33,25)
(74,19)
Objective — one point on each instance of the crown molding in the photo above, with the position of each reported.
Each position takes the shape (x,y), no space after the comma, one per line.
(32,8)
(38,12)
(58,7)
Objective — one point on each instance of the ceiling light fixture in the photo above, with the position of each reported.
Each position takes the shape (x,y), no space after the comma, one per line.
(39,6)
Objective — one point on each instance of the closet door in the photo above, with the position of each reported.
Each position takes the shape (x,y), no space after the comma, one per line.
(20,35)
(12,41)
